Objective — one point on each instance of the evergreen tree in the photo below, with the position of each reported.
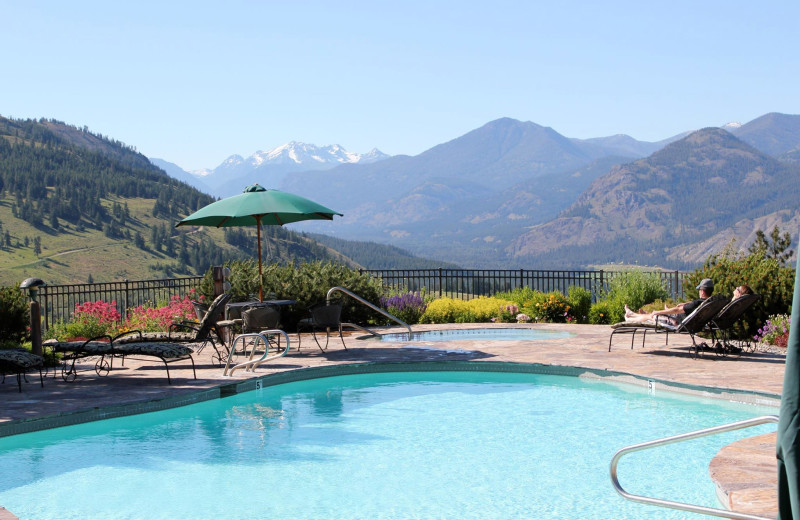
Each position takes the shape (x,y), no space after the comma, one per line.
(775,246)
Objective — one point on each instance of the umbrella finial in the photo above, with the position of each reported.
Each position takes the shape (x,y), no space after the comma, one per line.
(254,187)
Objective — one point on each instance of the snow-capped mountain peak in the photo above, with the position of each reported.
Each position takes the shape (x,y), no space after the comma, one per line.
(732,125)
(310,155)
(270,167)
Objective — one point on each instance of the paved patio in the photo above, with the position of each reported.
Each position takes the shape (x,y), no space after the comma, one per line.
(745,473)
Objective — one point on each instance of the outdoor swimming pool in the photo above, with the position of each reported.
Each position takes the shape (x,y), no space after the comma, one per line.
(375,446)
(485,334)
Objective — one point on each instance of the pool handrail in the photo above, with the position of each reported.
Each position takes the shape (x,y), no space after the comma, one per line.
(251,364)
(724,513)
(368,304)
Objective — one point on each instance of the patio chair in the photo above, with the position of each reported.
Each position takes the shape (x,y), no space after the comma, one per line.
(696,322)
(259,318)
(72,351)
(722,324)
(18,362)
(200,309)
(323,316)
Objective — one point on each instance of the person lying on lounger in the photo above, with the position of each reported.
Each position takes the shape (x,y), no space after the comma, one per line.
(673,315)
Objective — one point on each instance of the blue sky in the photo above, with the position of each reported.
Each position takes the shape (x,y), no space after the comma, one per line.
(194,82)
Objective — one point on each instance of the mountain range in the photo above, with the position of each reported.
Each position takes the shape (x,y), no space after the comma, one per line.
(268,168)
(514,193)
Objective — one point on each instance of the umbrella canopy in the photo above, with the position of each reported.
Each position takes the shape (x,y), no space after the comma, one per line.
(257,206)
(789,421)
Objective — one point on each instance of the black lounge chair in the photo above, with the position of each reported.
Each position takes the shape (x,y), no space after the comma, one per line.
(189,331)
(324,316)
(105,351)
(18,362)
(698,321)
(722,324)
(166,352)
(72,351)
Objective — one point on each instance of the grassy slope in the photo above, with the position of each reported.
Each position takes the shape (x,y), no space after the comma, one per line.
(70,256)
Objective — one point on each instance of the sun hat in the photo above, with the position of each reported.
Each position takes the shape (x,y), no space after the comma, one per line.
(705,283)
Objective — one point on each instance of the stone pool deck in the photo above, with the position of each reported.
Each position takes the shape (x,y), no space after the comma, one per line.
(745,472)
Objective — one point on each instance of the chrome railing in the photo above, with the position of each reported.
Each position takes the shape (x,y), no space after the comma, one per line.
(256,338)
(724,513)
(375,308)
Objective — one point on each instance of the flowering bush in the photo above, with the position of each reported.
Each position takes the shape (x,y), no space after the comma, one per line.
(580,302)
(601,313)
(508,312)
(775,331)
(151,318)
(409,306)
(478,310)
(552,307)
(89,320)
(523,318)
(93,319)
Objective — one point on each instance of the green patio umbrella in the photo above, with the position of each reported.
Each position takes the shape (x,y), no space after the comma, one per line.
(789,422)
(257,206)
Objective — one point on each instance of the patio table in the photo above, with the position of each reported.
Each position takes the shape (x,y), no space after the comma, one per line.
(233,311)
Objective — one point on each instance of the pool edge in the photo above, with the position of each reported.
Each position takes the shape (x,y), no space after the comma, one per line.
(20,426)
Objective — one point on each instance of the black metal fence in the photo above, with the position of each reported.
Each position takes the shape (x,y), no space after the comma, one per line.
(58,301)
(470,283)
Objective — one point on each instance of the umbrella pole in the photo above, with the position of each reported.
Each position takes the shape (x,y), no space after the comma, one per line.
(260,277)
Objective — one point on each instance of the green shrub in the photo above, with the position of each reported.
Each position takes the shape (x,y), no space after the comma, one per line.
(636,289)
(406,306)
(14,314)
(307,283)
(580,302)
(478,310)
(520,295)
(550,307)
(444,310)
(632,288)
(601,314)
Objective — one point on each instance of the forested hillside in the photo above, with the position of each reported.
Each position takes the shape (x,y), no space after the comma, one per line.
(76,206)
(371,255)
(680,200)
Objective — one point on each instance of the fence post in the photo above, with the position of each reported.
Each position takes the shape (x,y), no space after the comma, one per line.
(675,287)
(602,283)
(127,297)
(440,282)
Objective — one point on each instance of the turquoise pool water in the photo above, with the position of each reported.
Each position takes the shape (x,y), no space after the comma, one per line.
(376,446)
(475,335)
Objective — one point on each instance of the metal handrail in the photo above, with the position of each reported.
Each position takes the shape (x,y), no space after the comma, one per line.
(724,513)
(368,304)
(251,364)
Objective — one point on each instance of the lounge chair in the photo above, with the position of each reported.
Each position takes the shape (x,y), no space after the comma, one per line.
(722,324)
(324,316)
(189,331)
(107,349)
(166,352)
(72,351)
(18,362)
(696,322)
